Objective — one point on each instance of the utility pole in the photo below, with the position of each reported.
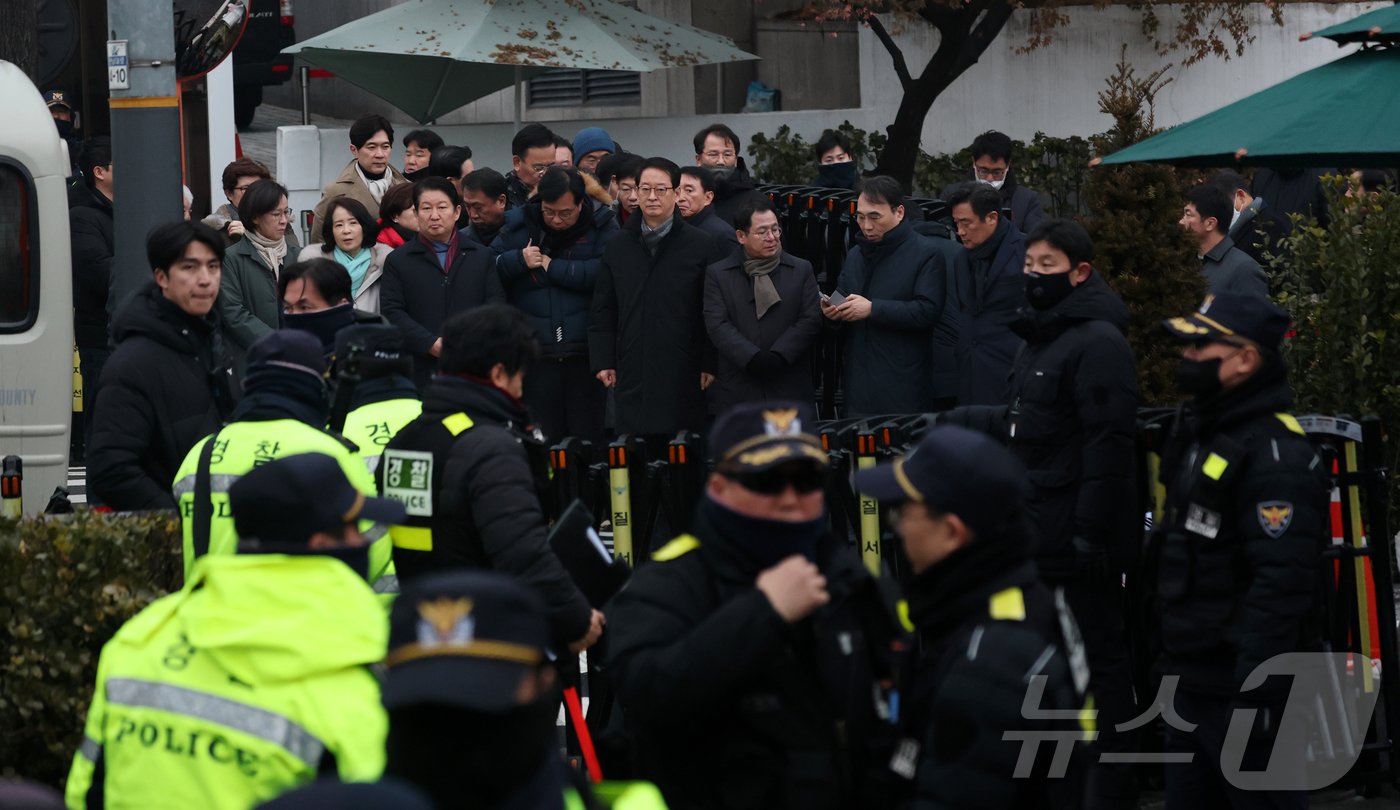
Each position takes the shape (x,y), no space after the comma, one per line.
(145,104)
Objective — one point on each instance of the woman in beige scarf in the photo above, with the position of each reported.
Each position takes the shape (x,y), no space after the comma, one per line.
(248,298)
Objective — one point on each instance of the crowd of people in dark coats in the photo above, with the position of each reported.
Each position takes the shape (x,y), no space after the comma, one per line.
(659,298)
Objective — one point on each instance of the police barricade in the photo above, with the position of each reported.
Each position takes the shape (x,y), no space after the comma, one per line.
(1358,596)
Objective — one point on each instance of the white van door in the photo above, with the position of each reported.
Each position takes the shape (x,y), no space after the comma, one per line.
(36,296)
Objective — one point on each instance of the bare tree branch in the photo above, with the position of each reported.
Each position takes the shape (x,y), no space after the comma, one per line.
(901,68)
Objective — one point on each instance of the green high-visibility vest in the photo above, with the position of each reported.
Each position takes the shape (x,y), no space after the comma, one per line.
(241,446)
(372,426)
(242,685)
(619,796)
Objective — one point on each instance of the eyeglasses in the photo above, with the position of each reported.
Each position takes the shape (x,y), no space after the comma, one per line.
(764,233)
(541,168)
(285,213)
(623,188)
(559,216)
(243,188)
(716,155)
(989,174)
(806,479)
(647,191)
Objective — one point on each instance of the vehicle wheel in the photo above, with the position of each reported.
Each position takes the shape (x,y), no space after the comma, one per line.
(245,103)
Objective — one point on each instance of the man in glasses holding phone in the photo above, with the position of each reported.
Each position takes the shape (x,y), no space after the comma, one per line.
(747,653)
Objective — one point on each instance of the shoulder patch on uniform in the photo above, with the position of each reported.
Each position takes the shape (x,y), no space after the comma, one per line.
(1214,466)
(1291,423)
(1008,605)
(456,423)
(679,547)
(1274,517)
(902,611)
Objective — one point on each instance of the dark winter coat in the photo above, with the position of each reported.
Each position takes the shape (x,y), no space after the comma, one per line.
(248,299)
(648,324)
(1073,423)
(987,296)
(889,355)
(517,193)
(1072,418)
(167,385)
(1229,269)
(1234,560)
(789,328)
(1293,191)
(735,191)
(1024,203)
(417,296)
(486,514)
(477,235)
(952,262)
(735,708)
(92,240)
(557,301)
(984,622)
(720,230)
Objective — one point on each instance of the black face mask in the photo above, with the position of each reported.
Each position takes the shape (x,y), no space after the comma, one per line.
(65,128)
(1045,290)
(837,175)
(1198,378)
(465,758)
(324,323)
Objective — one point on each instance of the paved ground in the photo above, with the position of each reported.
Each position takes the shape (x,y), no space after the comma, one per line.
(260,140)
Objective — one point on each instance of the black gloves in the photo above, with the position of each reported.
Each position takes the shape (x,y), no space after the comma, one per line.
(766,361)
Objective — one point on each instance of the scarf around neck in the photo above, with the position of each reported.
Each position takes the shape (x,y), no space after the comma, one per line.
(357,265)
(651,237)
(376,187)
(765,294)
(273,252)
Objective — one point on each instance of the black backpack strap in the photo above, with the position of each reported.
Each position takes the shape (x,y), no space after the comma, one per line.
(203,497)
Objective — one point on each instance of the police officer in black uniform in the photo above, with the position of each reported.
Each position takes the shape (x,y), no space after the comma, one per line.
(986,627)
(746,654)
(471,470)
(1236,553)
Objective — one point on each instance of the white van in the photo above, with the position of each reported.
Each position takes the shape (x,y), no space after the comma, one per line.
(36,296)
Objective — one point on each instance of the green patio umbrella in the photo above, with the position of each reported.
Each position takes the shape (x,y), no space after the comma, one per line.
(429,57)
(1344,113)
(1381,25)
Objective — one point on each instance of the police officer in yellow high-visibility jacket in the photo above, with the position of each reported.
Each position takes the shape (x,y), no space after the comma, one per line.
(254,678)
(282,413)
(384,398)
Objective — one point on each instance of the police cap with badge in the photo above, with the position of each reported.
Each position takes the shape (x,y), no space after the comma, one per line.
(752,440)
(954,470)
(1228,316)
(464,639)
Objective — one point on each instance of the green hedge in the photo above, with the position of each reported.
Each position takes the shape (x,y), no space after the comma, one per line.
(69,582)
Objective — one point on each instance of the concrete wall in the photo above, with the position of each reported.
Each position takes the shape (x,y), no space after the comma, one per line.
(815,65)
(1054,89)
